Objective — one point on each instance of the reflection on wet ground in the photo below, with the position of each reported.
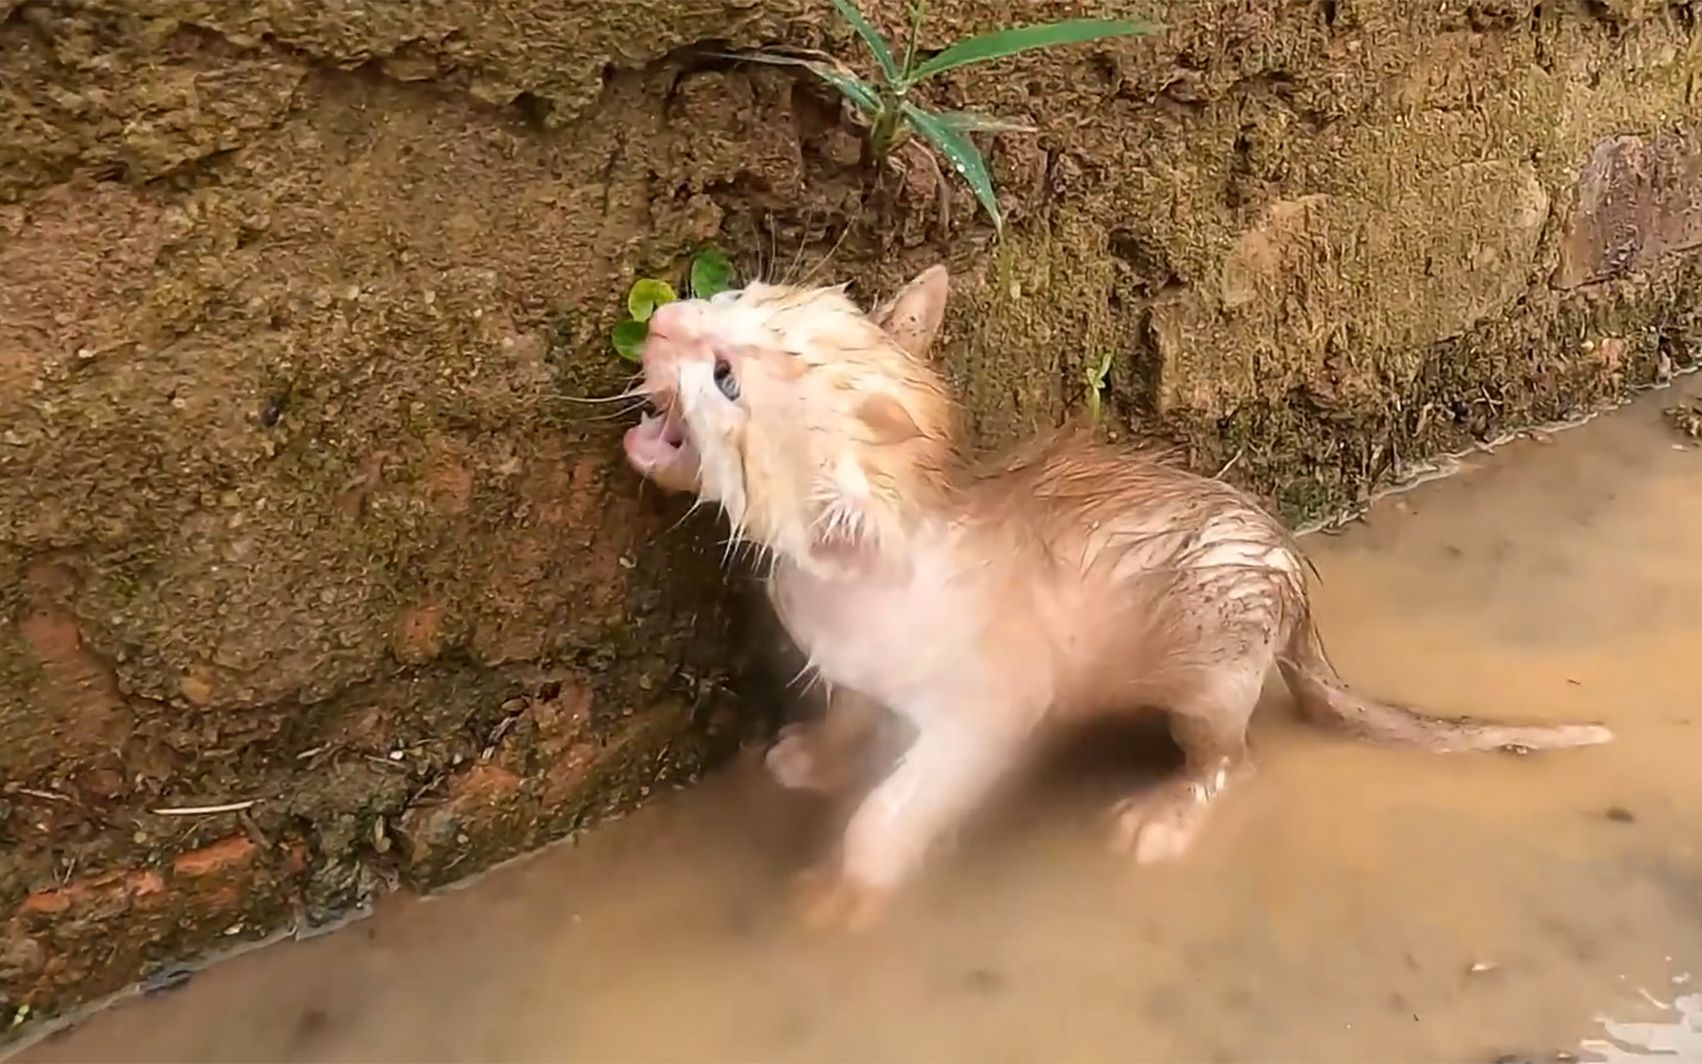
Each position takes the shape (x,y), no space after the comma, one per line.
(1350,904)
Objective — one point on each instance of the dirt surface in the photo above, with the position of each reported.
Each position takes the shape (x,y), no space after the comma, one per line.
(1350,904)
(297,522)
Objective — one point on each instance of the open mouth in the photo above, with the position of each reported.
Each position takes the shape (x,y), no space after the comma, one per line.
(658,448)
(657,439)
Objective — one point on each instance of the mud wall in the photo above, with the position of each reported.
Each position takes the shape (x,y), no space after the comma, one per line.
(314,581)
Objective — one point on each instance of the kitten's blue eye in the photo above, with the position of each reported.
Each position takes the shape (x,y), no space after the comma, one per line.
(725,380)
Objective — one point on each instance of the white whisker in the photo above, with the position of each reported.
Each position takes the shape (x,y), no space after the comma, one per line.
(811,672)
(803,239)
(773,250)
(612,416)
(683,518)
(630,393)
(825,259)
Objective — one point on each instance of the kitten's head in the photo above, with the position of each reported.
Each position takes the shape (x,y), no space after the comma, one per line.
(822,431)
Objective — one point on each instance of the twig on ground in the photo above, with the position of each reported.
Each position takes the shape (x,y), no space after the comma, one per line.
(206,810)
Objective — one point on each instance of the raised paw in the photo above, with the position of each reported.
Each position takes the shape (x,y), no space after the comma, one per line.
(1162,824)
(793,763)
(828,900)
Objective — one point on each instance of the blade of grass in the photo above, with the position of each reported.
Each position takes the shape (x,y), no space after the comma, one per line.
(917,10)
(970,122)
(850,86)
(1001,43)
(871,37)
(859,92)
(963,155)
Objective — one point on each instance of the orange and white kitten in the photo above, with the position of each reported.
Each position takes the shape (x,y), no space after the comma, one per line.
(980,599)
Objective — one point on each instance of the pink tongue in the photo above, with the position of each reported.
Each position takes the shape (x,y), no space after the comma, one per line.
(654,441)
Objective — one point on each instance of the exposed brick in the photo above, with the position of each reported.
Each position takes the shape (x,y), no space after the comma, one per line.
(97,933)
(1638,200)
(54,640)
(565,740)
(483,783)
(569,768)
(77,715)
(226,855)
(73,676)
(47,902)
(108,891)
(475,797)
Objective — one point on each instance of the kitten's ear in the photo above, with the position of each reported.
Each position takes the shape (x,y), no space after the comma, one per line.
(886,420)
(913,316)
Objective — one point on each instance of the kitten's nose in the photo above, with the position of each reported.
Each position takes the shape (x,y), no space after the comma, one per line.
(670,321)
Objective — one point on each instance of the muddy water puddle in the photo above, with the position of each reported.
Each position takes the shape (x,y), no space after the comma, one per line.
(1350,904)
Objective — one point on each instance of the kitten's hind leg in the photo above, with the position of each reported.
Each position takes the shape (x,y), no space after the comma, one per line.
(1208,719)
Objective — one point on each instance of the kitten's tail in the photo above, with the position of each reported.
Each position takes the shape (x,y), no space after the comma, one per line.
(1325,699)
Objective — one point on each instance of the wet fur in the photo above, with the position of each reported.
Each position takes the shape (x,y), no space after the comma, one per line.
(980,600)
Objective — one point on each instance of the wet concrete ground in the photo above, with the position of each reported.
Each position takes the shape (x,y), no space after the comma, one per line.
(1349,904)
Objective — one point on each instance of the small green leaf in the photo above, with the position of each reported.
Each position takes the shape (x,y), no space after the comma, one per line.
(861,94)
(970,122)
(646,295)
(628,338)
(711,273)
(1099,369)
(871,37)
(1094,376)
(1000,43)
(963,155)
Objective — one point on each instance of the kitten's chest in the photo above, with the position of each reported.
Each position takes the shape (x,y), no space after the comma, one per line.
(883,637)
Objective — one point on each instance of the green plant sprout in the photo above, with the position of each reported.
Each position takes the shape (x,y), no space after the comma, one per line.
(892,116)
(711,274)
(1094,376)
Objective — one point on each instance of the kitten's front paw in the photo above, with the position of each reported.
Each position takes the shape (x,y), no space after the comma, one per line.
(829,900)
(793,763)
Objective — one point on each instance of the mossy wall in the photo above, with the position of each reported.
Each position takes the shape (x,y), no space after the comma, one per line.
(297,520)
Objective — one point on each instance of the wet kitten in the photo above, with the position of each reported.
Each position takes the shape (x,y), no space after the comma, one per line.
(977,600)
